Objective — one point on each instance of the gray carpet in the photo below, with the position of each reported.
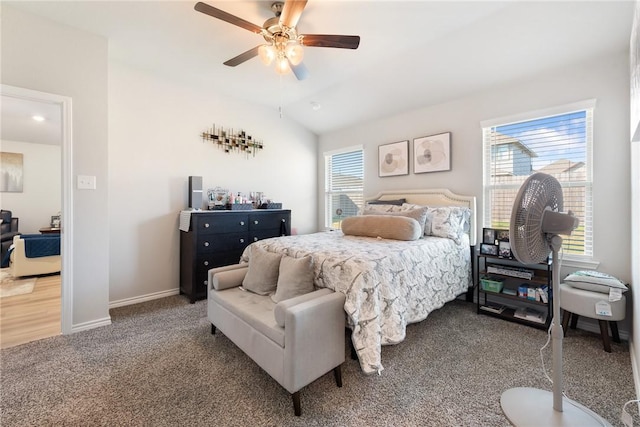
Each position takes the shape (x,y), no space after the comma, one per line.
(158,365)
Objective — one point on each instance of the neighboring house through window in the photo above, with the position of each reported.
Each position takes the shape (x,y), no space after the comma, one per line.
(344,185)
(557,142)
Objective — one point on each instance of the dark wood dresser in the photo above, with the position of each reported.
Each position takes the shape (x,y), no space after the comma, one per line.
(217,238)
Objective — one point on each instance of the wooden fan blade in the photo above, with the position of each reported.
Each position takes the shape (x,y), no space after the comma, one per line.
(243,57)
(227,17)
(291,12)
(300,71)
(327,40)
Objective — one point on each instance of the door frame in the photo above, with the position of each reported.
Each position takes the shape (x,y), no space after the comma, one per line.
(66,235)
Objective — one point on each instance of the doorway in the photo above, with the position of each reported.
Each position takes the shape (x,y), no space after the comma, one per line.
(59,106)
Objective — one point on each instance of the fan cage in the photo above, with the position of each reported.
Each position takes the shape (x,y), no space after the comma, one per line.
(540,192)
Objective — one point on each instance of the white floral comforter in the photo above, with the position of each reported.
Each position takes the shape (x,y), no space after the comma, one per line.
(388,283)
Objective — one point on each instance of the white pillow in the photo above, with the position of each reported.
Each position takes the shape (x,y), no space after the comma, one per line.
(449,222)
(594,281)
(382,208)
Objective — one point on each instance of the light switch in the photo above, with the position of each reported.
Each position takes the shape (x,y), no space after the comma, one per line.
(86,182)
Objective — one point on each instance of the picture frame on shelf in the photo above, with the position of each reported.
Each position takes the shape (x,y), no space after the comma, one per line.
(393,159)
(432,153)
(504,250)
(487,249)
(502,235)
(55,221)
(489,236)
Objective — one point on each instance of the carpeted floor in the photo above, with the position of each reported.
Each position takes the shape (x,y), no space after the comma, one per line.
(158,365)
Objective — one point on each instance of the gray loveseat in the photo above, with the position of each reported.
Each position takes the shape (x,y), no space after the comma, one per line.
(296,341)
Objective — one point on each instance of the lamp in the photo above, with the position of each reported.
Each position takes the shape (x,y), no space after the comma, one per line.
(283,50)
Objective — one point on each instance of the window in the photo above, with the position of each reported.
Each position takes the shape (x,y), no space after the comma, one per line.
(557,142)
(344,180)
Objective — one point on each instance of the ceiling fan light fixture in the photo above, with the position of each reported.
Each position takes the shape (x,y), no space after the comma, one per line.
(282,66)
(294,52)
(267,54)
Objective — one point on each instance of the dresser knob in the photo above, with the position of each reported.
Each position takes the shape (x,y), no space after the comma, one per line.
(206,244)
(206,263)
(241,222)
(255,221)
(241,240)
(283,220)
(206,225)
(255,239)
(206,282)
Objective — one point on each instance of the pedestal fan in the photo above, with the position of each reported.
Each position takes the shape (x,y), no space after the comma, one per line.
(536,222)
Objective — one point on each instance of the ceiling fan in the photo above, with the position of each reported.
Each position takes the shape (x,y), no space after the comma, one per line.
(284,44)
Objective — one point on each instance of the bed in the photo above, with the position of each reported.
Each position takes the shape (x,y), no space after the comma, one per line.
(388,283)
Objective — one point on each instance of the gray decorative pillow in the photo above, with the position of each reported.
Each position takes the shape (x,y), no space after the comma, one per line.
(383,226)
(398,202)
(295,278)
(594,281)
(262,276)
(419,214)
(449,222)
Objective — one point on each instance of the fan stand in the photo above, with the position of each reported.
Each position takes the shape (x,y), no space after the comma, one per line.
(525,406)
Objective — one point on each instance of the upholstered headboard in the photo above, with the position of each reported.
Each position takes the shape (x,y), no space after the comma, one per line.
(435,197)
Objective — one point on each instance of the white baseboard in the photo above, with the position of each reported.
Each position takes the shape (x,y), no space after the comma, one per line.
(635,367)
(97,323)
(143,298)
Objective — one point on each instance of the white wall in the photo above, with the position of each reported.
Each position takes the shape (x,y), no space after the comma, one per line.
(41,195)
(604,78)
(635,189)
(45,56)
(155,144)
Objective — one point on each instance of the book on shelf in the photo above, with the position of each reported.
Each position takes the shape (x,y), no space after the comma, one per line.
(493,307)
(521,273)
(530,314)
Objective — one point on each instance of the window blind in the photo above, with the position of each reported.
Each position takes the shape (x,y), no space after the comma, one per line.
(344,185)
(559,145)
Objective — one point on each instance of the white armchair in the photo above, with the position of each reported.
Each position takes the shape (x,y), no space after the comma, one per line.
(22,265)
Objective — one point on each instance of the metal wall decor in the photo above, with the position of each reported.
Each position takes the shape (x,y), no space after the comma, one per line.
(229,141)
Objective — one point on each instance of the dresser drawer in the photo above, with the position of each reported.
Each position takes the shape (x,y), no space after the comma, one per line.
(208,243)
(270,220)
(222,223)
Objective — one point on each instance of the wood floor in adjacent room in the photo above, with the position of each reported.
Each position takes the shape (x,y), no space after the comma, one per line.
(33,316)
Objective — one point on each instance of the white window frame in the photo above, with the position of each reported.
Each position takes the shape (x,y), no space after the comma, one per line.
(586,260)
(329,191)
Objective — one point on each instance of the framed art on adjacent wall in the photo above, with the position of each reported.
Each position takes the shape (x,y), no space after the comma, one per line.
(432,153)
(393,159)
(11,172)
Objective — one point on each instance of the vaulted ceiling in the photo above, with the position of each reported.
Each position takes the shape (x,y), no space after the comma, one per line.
(411,54)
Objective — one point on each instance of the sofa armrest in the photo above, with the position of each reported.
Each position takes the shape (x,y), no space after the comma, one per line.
(314,339)
(228,276)
(281,308)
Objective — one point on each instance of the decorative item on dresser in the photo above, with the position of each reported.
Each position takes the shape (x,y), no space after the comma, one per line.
(211,239)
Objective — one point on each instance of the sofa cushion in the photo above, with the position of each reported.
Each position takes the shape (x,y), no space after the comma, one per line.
(295,278)
(256,310)
(262,276)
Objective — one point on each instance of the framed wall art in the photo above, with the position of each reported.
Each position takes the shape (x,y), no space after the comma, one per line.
(393,159)
(432,153)
(11,172)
